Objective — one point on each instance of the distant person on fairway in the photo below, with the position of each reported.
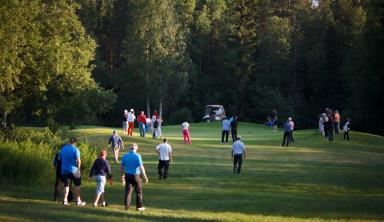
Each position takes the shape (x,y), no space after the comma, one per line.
(131,122)
(238,153)
(125,122)
(234,123)
(131,167)
(165,157)
(226,125)
(157,128)
(321,124)
(186,134)
(142,121)
(346,129)
(101,169)
(291,140)
(336,123)
(115,143)
(70,169)
(330,125)
(287,133)
(274,120)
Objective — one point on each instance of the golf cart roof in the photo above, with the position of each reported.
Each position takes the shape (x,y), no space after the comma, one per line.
(215,106)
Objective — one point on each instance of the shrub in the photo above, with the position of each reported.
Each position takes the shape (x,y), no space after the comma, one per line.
(180,116)
(88,154)
(37,136)
(25,162)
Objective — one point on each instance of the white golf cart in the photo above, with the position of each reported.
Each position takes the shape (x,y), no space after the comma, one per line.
(214,113)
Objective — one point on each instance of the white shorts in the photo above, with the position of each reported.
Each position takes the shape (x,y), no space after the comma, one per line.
(100,184)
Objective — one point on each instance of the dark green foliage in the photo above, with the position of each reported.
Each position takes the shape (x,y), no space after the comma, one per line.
(181,115)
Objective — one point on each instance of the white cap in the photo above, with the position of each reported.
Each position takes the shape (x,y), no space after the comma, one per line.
(290,119)
(131,110)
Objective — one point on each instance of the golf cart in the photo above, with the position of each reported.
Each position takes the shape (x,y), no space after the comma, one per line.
(214,113)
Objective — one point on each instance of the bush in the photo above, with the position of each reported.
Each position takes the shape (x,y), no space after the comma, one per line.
(25,162)
(37,136)
(88,154)
(180,116)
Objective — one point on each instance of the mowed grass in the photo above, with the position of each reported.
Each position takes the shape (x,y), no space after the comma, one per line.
(312,180)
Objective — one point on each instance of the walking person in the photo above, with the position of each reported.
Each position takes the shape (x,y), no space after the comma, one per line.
(185,129)
(291,140)
(346,129)
(59,178)
(321,124)
(165,157)
(226,125)
(238,153)
(336,123)
(131,121)
(142,121)
(157,128)
(287,133)
(330,125)
(274,120)
(102,171)
(234,123)
(70,169)
(131,168)
(115,143)
(125,122)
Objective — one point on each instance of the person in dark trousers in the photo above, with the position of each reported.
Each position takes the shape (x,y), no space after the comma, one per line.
(234,123)
(226,125)
(102,170)
(346,129)
(274,120)
(238,153)
(291,140)
(131,168)
(165,157)
(287,133)
(330,125)
(59,178)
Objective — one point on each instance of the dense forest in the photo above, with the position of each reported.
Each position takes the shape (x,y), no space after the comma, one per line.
(67,62)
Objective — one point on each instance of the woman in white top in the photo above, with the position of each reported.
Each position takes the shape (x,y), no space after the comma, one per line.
(131,121)
(157,128)
(186,134)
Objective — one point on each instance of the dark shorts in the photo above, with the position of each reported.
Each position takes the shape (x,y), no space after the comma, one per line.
(74,177)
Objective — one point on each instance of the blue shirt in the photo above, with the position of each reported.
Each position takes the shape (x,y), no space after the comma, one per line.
(287,127)
(69,155)
(131,163)
(226,125)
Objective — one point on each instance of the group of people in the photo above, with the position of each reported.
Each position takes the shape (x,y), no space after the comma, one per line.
(68,162)
(229,125)
(144,123)
(329,124)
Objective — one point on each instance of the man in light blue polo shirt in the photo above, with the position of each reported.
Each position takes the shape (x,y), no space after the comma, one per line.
(70,169)
(131,167)
(226,125)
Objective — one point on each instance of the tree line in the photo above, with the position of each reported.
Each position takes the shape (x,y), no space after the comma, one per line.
(85,61)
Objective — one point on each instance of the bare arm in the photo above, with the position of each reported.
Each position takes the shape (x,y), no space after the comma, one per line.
(78,162)
(142,170)
(170,156)
(121,169)
(244,154)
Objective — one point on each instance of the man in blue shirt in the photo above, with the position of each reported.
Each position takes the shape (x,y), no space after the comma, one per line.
(70,169)
(132,166)
(115,142)
(225,132)
(287,133)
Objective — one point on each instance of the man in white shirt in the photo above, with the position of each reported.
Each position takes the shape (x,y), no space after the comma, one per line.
(131,121)
(165,156)
(186,134)
(238,153)
(226,125)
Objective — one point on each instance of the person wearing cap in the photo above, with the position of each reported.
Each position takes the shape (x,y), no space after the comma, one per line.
(70,170)
(165,157)
(226,125)
(131,167)
(115,143)
(142,121)
(131,121)
(287,133)
(238,153)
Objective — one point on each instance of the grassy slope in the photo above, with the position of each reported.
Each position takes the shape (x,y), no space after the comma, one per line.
(312,180)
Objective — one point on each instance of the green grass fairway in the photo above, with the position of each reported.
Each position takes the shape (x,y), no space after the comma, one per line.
(313,180)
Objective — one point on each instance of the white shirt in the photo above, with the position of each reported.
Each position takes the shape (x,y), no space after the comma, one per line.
(238,147)
(185,125)
(164,149)
(131,117)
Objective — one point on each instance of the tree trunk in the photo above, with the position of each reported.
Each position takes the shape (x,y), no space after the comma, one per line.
(148,107)
(161,108)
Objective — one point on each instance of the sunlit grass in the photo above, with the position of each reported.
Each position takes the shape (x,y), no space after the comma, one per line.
(312,180)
